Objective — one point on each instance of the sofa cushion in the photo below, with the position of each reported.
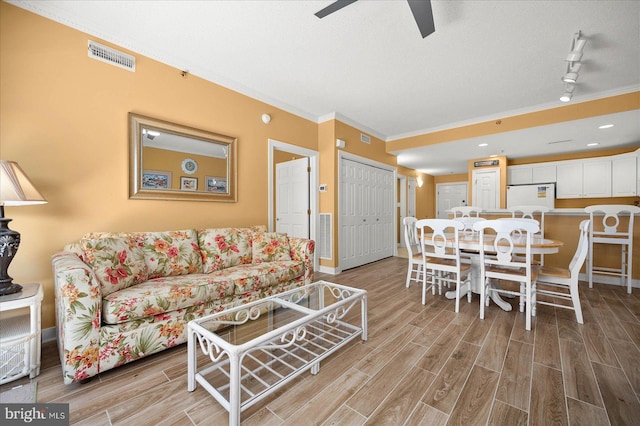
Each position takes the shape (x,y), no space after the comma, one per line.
(223,248)
(270,247)
(117,259)
(167,294)
(172,253)
(249,278)
(162,295)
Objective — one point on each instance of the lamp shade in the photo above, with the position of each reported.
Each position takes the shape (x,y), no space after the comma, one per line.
(15,187)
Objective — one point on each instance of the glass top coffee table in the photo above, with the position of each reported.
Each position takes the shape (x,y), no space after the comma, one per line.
(256,348)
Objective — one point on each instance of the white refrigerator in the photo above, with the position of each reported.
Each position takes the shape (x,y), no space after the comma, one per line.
(541,194)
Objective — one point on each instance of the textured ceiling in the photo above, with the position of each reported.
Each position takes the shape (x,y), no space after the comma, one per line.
(368,65)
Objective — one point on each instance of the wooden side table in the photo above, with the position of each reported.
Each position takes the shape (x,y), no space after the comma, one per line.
(20,332)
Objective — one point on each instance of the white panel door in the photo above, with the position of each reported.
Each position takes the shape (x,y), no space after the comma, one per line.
(450,195)
(411,198)
(486,194)
(366,209)
(292,198)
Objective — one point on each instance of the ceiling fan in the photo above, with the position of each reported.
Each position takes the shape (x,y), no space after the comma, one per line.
(421,10)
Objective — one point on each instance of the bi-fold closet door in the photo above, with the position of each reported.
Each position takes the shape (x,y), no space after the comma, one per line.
(366,208)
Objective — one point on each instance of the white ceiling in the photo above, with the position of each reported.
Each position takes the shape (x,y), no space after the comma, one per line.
(368,65)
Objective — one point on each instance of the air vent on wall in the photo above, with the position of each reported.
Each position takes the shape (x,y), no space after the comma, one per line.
(365,138)
(111,56)
(324,246)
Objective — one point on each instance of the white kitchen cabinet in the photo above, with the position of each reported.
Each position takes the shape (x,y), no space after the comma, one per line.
(624,175)
(584,178)
(534,173)
(520,175)
(544,173)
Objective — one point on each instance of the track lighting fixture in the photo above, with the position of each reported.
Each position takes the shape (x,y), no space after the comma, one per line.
(573,65)
(568,92)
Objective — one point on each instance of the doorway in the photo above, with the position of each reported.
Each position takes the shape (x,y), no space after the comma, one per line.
(312,156)
(450,195)
(486,193)
(292,198)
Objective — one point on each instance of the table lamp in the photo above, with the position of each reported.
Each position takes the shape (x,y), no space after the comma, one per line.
(15,190)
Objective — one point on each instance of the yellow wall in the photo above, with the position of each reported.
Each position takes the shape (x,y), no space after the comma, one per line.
(64,120)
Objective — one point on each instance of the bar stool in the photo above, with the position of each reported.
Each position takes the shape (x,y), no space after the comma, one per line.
(609,233)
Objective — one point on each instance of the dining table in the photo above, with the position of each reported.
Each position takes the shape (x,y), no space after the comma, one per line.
(469,244)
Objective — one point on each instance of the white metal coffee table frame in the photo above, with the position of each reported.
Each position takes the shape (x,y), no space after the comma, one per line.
(314,324)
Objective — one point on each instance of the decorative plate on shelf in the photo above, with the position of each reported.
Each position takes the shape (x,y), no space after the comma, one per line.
(189,166)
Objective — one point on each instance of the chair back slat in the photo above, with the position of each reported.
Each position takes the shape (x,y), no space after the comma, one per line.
(581,251)
(410,235)
(443,235)
(466,211)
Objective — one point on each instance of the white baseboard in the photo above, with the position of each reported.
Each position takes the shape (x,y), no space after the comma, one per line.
(603,279)
(49,334)
(328,270)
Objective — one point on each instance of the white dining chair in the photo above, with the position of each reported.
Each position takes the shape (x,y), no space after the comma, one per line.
(466,211)
(609,231)
(531,212)
(551,279)
(413,250)
(441,256)
(499,262)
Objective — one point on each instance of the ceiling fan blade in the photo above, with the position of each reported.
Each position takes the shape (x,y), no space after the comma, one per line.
(333,7)
(423,15)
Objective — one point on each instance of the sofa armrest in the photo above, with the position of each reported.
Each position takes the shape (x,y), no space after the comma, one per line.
(78,313)
(303,249)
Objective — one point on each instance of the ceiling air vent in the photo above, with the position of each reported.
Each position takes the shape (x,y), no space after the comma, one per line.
(111,56)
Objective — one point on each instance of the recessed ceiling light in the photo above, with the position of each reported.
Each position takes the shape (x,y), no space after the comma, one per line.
(593,144)
(483,144)
(605,126)
(493,155)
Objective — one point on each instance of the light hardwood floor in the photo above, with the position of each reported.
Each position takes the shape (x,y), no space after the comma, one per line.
(422,365)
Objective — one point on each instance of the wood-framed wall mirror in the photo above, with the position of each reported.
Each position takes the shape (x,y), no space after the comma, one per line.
(173,162)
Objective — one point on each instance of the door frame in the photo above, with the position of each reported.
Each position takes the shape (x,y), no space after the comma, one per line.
(314,218)
(347,156)
(402,205)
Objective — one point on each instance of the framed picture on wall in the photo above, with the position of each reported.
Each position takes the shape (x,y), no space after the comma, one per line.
(216,184)
(156,179)
(188,183)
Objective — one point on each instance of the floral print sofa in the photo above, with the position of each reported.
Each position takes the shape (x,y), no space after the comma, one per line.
(123,296)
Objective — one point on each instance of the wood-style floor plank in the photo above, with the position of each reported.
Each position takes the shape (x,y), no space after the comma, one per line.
(547,397)
(446,388)
(620,401)
(515,380)
(474,405)
(579,381)
(478,369)
(504,414)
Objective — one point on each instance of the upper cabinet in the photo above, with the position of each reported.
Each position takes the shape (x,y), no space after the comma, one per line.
(584,178)
(532,173)
(598,177)
(624,175)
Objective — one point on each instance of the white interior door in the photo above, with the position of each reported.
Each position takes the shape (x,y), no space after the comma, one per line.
(486,193)
(367,209)
(292,198)
(450,195)
(411,198)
